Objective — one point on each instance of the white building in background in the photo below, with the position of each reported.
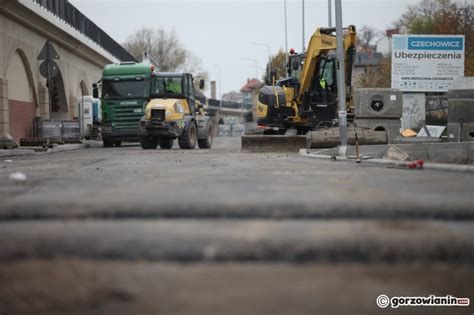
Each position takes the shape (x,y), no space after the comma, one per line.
(384,45)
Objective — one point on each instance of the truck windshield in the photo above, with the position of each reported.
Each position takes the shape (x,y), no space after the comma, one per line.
(167,87)
(123,89)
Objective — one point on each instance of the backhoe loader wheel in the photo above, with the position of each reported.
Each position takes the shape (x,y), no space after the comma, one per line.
(148,144)
(189,138)
(166,143)
(206,143)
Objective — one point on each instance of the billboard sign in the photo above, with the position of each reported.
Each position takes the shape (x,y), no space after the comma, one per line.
(426,63)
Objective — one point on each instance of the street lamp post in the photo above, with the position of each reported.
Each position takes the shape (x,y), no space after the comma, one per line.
(220,83)
(330,13)
(341,83)
(256,65)
(286,36)
(269,59)
(302,19)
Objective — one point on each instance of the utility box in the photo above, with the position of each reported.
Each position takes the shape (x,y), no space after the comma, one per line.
(89,114)
(461,110)
(378,103)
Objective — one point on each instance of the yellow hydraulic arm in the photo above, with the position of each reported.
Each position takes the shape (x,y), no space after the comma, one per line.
(321,42)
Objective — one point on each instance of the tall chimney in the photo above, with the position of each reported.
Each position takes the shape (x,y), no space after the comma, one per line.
(213,90)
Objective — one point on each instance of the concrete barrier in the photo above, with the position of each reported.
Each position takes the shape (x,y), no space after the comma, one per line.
(450,153)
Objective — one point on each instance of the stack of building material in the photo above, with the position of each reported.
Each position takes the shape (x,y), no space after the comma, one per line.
(59,131)
(461,110)
(379,109)
(234,130)
(50,129)
(71,132)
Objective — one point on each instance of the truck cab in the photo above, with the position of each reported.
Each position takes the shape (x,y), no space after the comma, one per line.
(174,113)
(125,91)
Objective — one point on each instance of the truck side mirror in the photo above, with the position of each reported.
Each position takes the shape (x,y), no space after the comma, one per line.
(296,65)
(95,91)
(201,84)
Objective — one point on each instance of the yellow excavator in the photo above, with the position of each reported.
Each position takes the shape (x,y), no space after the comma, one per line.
(307,98)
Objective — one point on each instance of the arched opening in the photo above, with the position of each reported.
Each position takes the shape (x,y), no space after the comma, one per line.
(83,88)
(59,106)
(76,99)
(221,121)
(379,128)
(21,97)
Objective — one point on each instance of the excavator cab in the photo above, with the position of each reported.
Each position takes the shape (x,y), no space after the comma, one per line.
(319,102)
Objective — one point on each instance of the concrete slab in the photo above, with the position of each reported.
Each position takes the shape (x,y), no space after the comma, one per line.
(189,240)
(451,153)
(222,182)
(104,287)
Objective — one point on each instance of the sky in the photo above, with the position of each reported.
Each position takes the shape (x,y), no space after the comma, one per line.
(220,33)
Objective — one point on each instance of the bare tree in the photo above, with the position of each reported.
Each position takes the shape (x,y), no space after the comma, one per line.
(166,48)
(442,17)
(366,37)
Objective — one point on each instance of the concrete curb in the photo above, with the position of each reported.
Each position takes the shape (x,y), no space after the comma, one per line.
(395,164)
(68,147)
(16,152)
(62,148)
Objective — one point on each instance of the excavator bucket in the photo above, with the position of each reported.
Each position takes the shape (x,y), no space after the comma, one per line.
(272,143)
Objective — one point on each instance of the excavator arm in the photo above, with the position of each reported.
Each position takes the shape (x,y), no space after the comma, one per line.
(322,41)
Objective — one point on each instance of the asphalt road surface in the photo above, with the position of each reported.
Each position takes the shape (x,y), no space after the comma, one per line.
(129,231)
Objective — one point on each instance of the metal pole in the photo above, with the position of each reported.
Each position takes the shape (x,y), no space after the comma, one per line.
(269,65)
(302,19)
(219,78)
(286,37)
(269,68)
(81,111)
(48,62)
(256,65)
(220,84)
(341,84)
(330,13)
(256,69)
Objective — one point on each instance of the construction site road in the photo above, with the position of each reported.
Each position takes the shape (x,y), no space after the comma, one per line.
(130,231)
(223,182)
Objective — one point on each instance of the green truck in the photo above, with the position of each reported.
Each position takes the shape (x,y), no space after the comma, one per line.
(125,93)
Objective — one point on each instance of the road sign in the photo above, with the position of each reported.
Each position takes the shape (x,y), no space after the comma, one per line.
(426,63)
(53,69)
(48,52)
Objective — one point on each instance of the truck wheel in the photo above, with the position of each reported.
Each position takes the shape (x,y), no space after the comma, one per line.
(118,143)
(107,143)
(148,144)
(189,137)
(166,143)
(206,143)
